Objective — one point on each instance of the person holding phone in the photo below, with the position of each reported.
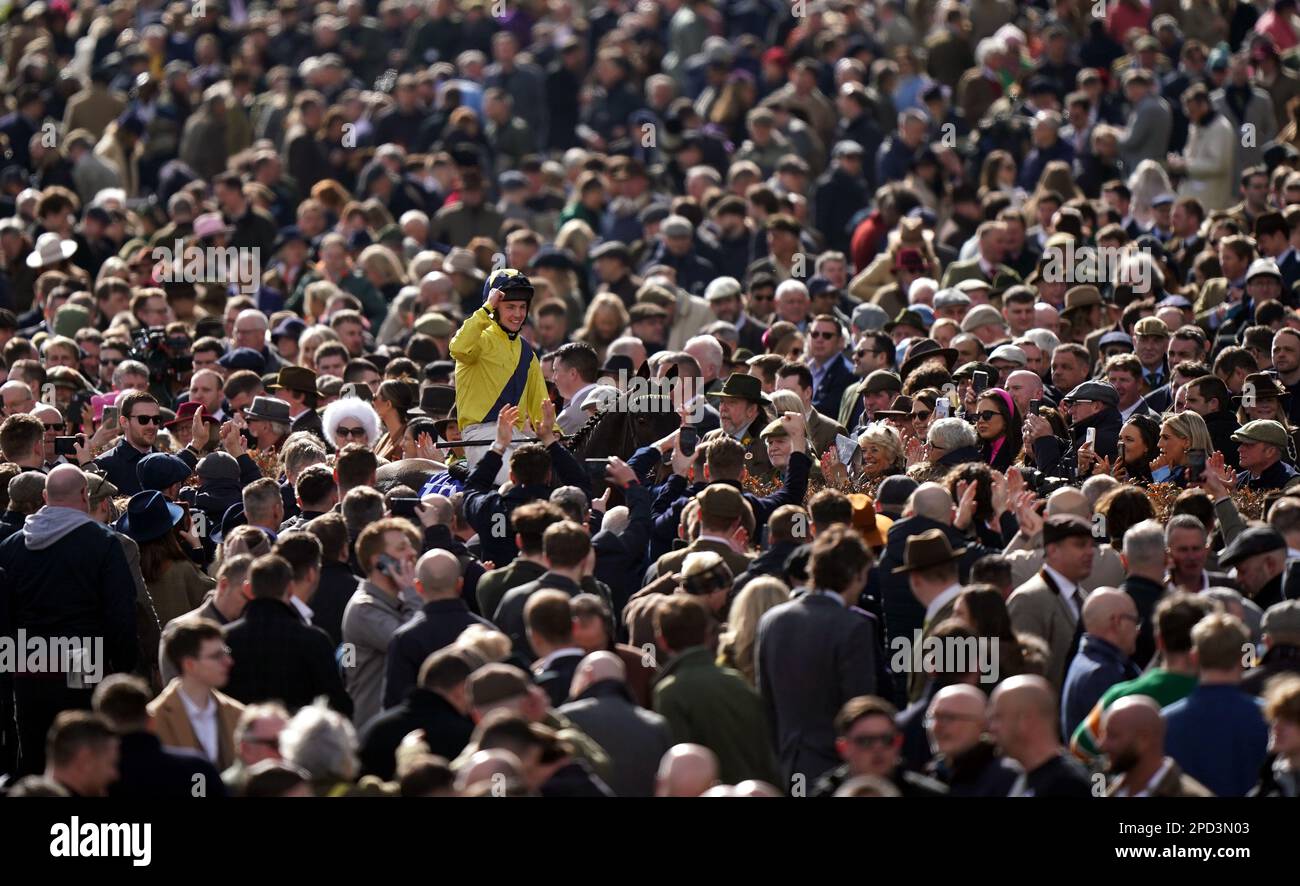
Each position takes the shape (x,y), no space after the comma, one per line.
(1138,447)
(997,423)
(1092,404)
(1181,434)
(384,601)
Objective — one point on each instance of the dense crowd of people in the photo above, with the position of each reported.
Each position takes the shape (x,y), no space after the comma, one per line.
(691,398)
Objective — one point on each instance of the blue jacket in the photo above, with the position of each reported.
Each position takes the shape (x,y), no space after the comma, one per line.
(1097,666)
(830,390)
(1219,737)
(483,503)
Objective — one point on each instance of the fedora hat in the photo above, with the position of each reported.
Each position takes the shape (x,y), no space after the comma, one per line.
(435,401)
(1264,387)
(900,408)
(743,387)
(268,409)
(149,515)
(926,349)
(298,379)
(50,249)
(928,549)
(1081,297)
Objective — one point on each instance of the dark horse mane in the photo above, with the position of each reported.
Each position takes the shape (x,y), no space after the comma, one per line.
(623,426)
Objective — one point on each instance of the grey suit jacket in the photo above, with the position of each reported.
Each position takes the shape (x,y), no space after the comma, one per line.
(1147,135)
(812,655)
(1036,607)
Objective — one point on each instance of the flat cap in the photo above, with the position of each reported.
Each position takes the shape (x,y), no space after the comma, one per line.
(1094,391)
(1253,541)
(981,315)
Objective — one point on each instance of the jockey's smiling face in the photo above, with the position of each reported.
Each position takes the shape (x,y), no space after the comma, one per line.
(513,314)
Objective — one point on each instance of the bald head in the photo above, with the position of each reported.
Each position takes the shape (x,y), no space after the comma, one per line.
(65,487)
(1031,381)
(45,411)
(1022,718)
(1026,694)
(961,698)
(439,506)
(1138,713)
(1133,734)
(597,668)
(252,317)
(496,765)
(931,500)
(1105,606)
(957,719)
(687,770)
(755,788)
(1068,500)
(437,575)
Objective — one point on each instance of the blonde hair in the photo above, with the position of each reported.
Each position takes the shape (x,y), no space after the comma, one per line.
(487,643)
(381,260)
(882,435)
(576,236)
(603,302)
(736,645)
(1191,427)
(784,401)
(316,297)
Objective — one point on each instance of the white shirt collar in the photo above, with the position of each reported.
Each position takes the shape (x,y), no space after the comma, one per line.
(204,723)
(303,609)
(1126,414)
(948,593)
(1067,588)
(545,663)
(580,395)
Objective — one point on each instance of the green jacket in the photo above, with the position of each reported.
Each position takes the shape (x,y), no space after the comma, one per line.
(1003,279)
(712,706)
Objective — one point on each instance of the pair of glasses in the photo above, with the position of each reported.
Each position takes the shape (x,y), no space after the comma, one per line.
(762,297)
(359,433)
(109,361)
(867,742)
(921,416)
(988,415)
(825,335)
(149,419)
(54,426)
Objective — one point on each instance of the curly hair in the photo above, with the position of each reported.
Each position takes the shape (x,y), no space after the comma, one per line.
(350,407)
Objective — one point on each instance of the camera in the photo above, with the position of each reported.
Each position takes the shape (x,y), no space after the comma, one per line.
(167,357)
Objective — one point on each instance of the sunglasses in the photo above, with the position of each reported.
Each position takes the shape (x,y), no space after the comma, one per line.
(825,335)
(110,362)
(921,416)
(149,419)
(350,432)
(867,742)
(54,426)
(989,415)
(762,297)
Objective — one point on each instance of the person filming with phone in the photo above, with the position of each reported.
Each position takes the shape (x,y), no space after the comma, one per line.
(1095,422)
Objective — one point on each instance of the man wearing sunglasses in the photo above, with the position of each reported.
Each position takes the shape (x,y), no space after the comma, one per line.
(140,419)
(871,745)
